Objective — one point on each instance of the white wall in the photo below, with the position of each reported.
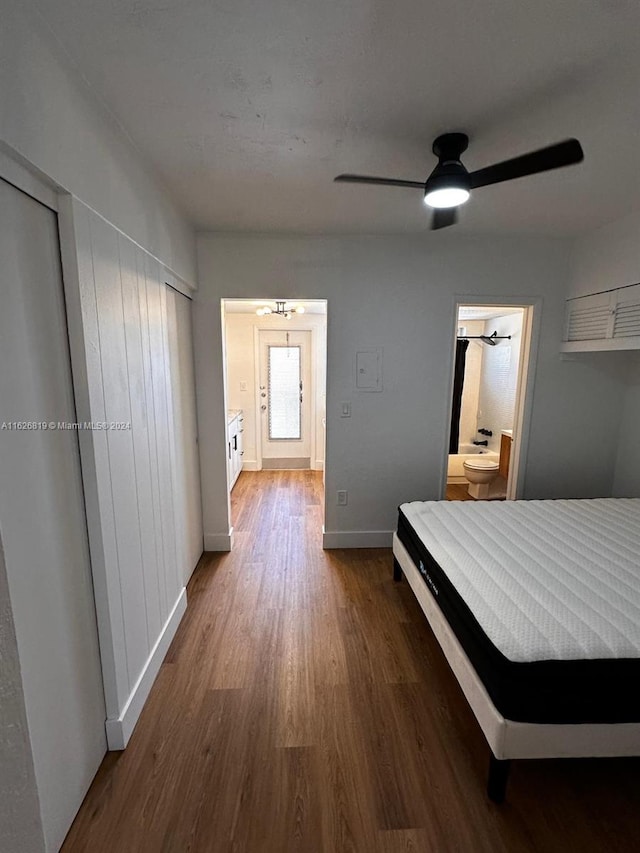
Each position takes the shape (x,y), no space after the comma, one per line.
(120,318)
(400,294)
(241,367)
(606,258)
(603,260)
(499,377)
(627,473)
(53,120)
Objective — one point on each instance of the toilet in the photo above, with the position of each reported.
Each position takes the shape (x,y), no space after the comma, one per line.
(480,473)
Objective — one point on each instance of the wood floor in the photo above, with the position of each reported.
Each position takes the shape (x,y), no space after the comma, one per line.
(458,492)
(305,706)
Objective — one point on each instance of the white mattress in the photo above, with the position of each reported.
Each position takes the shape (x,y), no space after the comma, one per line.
(546,580)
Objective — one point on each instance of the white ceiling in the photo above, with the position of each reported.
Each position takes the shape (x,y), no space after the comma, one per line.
(249,108)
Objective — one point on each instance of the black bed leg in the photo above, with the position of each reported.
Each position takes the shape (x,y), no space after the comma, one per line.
(498,776)
(397,571)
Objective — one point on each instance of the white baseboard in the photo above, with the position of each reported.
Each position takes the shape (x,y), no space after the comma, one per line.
(250,465)
(119,730)
(356,539)
(318,465)
(218,541)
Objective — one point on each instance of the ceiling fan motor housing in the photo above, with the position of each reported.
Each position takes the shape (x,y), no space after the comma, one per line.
(449,146)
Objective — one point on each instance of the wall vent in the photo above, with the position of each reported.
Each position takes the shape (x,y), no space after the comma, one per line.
(588,323)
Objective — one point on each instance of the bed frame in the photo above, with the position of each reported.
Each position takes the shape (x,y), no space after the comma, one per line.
(509,739)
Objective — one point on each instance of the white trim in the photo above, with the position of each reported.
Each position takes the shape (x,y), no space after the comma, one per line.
(23,175)
(524,397)
(318,465)
(251,465)
(218,541)
(605,345)
(507,738)
(356,538)
(119,730)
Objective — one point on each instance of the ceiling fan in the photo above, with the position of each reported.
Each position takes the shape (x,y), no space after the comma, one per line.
(450,184)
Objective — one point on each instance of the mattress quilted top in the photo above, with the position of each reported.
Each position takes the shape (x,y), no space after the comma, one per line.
(546,580)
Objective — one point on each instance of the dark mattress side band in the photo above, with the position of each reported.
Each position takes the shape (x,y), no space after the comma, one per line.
(550,691)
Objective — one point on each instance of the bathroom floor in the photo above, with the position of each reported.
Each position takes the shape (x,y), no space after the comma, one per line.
(458,491)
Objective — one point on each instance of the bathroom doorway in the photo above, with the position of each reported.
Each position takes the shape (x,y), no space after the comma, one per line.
(492,351)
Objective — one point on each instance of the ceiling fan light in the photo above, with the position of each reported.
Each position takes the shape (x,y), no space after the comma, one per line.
(443,197)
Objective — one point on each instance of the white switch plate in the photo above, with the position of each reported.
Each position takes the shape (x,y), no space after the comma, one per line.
(243,385)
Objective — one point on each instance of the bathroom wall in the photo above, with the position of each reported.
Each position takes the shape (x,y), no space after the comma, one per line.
(499,377)
(241,368)
(471,387)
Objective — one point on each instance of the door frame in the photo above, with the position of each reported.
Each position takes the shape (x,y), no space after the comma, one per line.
(532,307)
(291,326)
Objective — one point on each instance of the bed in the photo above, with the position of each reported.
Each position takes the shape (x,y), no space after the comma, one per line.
(536,606)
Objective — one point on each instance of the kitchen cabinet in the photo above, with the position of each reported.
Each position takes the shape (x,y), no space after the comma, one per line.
(235,452)
(506,441)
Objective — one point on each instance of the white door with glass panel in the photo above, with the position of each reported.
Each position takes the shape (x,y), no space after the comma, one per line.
(284,395)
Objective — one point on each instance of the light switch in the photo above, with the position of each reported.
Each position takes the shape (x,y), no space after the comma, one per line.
(369,369)
(345,411)
(243,384)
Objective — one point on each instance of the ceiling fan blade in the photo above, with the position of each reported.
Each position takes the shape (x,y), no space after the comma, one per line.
(553,157)
(443,217)
(367,179)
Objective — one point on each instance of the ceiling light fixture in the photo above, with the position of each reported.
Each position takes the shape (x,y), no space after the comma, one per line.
(281,310)
(446,197)
(448,186)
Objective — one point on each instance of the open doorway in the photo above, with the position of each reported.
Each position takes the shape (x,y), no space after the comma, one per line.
(486,434)
(275,389)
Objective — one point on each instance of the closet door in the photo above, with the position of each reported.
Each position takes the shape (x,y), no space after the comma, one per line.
(42,517)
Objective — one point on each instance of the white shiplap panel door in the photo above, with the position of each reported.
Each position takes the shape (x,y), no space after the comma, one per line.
(165,532)
(136,343)
(156,377)
(122,364)
(115,383)
(87,360)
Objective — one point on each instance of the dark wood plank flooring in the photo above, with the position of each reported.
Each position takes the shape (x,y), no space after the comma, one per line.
(458,492)
(305,706)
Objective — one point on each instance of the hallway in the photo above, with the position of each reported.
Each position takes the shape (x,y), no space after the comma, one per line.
(305,706)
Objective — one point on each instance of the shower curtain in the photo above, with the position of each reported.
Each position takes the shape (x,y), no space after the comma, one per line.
(458,383)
